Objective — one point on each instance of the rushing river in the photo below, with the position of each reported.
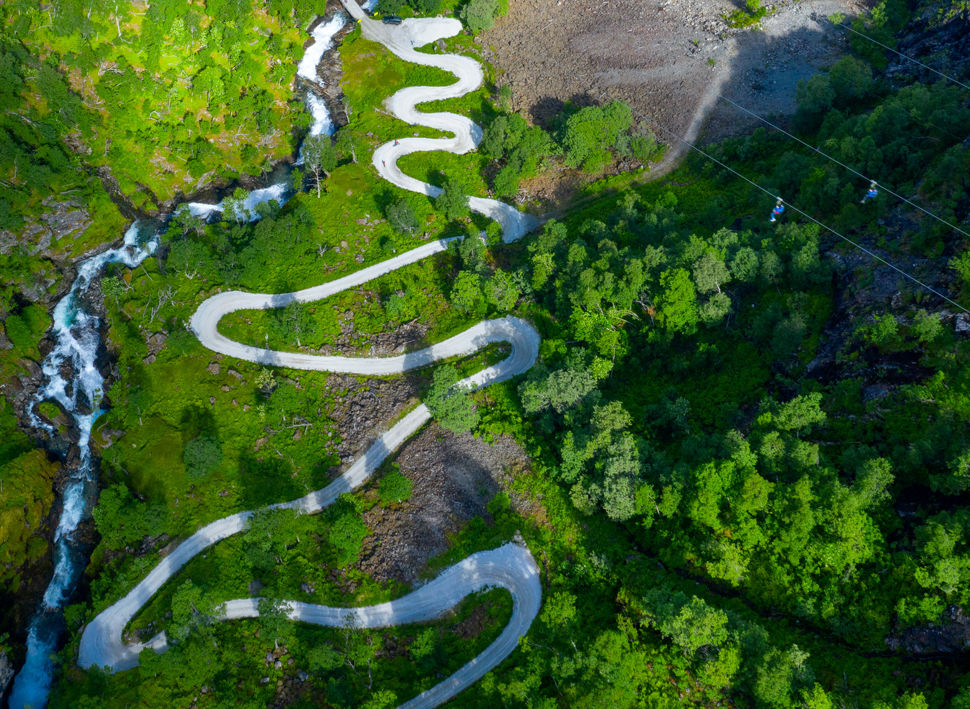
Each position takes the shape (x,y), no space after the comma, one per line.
(73,380)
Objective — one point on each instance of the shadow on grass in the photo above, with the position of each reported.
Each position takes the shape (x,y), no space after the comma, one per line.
(265,480)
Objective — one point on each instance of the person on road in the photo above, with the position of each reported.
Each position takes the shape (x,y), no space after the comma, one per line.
(777,211)
(395,142)
(871,194)
(384,163)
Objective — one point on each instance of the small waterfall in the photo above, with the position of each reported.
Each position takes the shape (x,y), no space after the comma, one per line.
(323,35)
(78,337)
(247,207)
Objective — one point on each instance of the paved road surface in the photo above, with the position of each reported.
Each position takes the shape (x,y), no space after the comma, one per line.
(511,566)
(402,40)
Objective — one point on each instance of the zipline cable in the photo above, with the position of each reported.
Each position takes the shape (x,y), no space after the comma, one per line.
(857,245)
(904,56)
(839,162)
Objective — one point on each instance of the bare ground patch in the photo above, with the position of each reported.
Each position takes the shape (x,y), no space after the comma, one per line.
(669,59)
(367,408)
(454,477)
(404,338)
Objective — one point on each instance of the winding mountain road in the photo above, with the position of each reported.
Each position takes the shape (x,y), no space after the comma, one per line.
(511,566)
(402,40)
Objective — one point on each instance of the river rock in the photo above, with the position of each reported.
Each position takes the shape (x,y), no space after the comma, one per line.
(961,324)
(6,672)
(61,219)
(90,299)
(30,366)
(950,636)
(61,420)
(156,342)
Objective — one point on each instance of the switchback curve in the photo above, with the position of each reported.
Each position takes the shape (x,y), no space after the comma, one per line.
(511,566)
(402,40)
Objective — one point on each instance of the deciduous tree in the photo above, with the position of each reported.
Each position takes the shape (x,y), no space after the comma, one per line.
(449,403)
(320,157)
(452,201)
(402,217)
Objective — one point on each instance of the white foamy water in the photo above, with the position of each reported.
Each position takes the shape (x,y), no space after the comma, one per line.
(201,209)
(76,331)
(323,36)
(322,41)
(322,122)
(261,196)
(78,338)
(246,209)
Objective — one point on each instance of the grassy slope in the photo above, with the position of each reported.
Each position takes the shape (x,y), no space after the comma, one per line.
(585,556)
(85,82)
(26,475)
(142,441)
(161,91)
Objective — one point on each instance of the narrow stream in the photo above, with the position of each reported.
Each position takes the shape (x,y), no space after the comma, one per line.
(74,381)
(78,337)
